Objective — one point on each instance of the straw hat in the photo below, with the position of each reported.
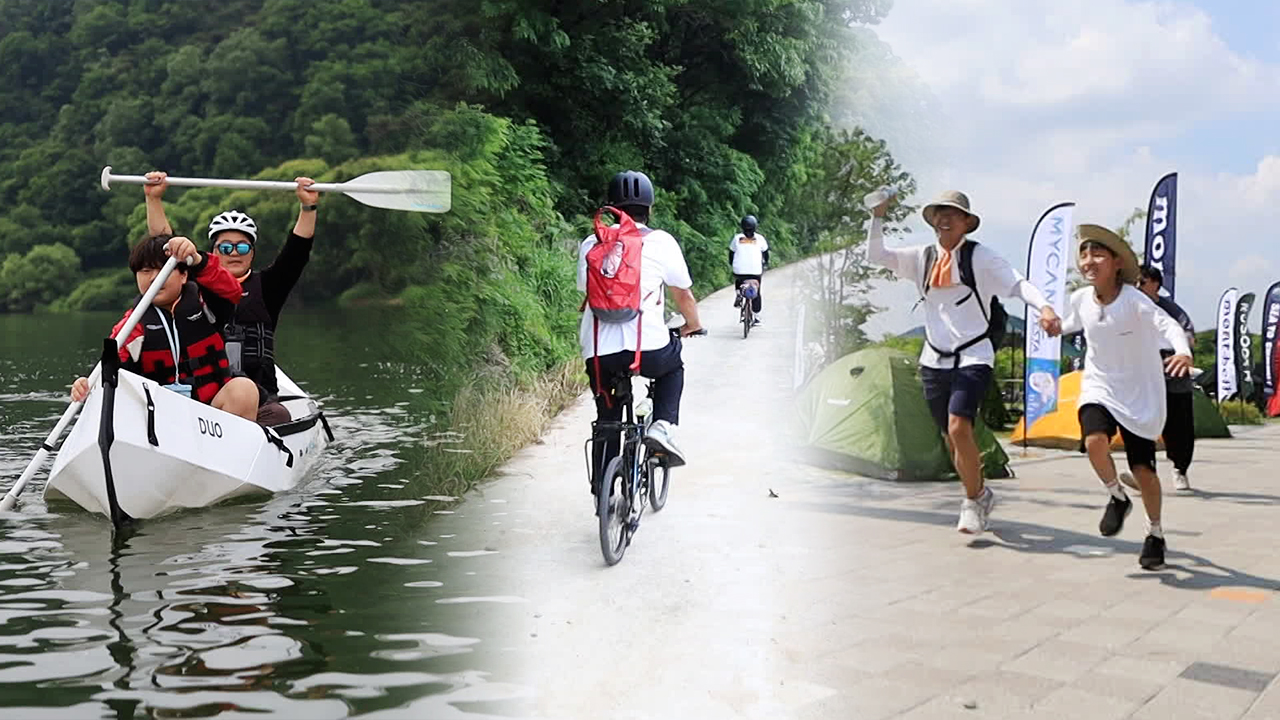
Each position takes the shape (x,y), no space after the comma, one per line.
(955,199)
(1114,243)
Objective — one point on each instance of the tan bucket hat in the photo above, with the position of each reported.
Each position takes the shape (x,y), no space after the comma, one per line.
(1114,243)
(955,199)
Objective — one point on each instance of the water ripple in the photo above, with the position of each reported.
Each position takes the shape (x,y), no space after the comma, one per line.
(331,600)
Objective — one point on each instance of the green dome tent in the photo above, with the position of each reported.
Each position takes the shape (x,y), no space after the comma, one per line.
(866,413)
(1208,421)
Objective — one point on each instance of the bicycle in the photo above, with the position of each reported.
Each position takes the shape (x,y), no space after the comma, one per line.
(635,478)
(747,292)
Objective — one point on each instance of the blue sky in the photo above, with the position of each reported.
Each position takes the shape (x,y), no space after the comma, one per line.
(1250,27)
(1039,101)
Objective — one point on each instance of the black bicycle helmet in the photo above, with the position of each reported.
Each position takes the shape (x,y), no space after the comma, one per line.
(749,224)
(631,187)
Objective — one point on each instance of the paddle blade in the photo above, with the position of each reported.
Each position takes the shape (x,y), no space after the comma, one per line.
(412,190)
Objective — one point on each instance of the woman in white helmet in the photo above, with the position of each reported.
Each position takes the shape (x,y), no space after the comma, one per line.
(250,336)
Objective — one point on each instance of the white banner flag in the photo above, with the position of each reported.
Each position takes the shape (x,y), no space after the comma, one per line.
(1047,261)
(1227,345)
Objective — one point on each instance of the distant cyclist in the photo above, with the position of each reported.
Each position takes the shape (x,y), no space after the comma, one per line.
(748,255)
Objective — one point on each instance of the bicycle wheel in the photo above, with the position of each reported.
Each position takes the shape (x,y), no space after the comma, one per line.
(659,483)
(613,510)
(746,319)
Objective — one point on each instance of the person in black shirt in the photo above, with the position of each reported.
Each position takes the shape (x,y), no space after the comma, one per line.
(250,336)
(1180,425)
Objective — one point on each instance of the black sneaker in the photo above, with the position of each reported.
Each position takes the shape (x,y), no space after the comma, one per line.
(1113,517)
(737,301)
(1152,557)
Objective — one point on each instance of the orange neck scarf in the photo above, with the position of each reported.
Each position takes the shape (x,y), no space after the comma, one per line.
(940,277)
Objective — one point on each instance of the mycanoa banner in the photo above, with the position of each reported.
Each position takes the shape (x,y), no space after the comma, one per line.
(1048,259)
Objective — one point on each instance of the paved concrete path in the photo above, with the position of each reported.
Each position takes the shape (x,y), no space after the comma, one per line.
(844,597)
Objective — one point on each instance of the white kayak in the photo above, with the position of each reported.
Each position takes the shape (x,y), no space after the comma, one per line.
(171,452)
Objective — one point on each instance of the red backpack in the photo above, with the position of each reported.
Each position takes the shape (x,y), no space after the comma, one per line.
(613,279)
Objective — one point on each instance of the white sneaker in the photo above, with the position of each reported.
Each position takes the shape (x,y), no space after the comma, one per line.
(658,439)
(973,513)
(988,502)
(1180,482)
(1129,481)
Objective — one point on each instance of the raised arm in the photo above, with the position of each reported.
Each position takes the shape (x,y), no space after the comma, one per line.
(157,223)
(900,260)
(305,227)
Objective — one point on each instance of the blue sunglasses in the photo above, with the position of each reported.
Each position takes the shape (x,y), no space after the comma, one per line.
(241,248)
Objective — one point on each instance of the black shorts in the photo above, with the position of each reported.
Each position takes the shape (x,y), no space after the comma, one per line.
(1095,419)
(955,391)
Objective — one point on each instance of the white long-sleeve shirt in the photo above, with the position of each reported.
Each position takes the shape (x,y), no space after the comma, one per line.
(952,316)
(1123,370)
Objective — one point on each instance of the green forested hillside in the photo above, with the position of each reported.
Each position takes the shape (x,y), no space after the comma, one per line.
(531,105)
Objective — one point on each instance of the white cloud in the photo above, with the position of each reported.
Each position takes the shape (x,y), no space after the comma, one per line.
(1104,55)
(1091,102)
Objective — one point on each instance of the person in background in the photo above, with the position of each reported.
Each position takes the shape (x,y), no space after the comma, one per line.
(748,256)
(1180,428)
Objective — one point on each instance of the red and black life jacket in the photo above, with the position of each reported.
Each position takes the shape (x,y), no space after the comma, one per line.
(203,364)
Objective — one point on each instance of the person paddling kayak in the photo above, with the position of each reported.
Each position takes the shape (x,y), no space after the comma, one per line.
(250,335)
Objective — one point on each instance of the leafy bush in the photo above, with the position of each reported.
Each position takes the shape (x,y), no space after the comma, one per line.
(37,278)
(1239,412)
(106,291)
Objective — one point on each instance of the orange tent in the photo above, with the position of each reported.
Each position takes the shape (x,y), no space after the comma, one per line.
(1061,428)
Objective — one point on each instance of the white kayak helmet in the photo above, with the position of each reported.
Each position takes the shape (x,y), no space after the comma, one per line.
(233,220)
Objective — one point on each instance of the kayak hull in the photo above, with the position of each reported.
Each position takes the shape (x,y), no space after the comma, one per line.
(172,453)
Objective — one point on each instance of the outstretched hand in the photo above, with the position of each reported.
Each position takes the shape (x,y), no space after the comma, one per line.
(1050,323)
(1178,365)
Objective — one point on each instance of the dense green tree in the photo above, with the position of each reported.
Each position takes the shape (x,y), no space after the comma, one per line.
(38,278)
(531,105)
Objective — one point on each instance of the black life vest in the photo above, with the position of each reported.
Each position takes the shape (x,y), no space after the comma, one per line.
(251,336)
(203,364)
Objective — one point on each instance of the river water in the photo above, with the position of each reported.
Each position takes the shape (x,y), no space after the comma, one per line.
(334,599)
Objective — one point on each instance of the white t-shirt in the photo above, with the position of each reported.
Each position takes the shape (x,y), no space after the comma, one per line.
(1123,371)
(952,316)
(661,263)
(748,254)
